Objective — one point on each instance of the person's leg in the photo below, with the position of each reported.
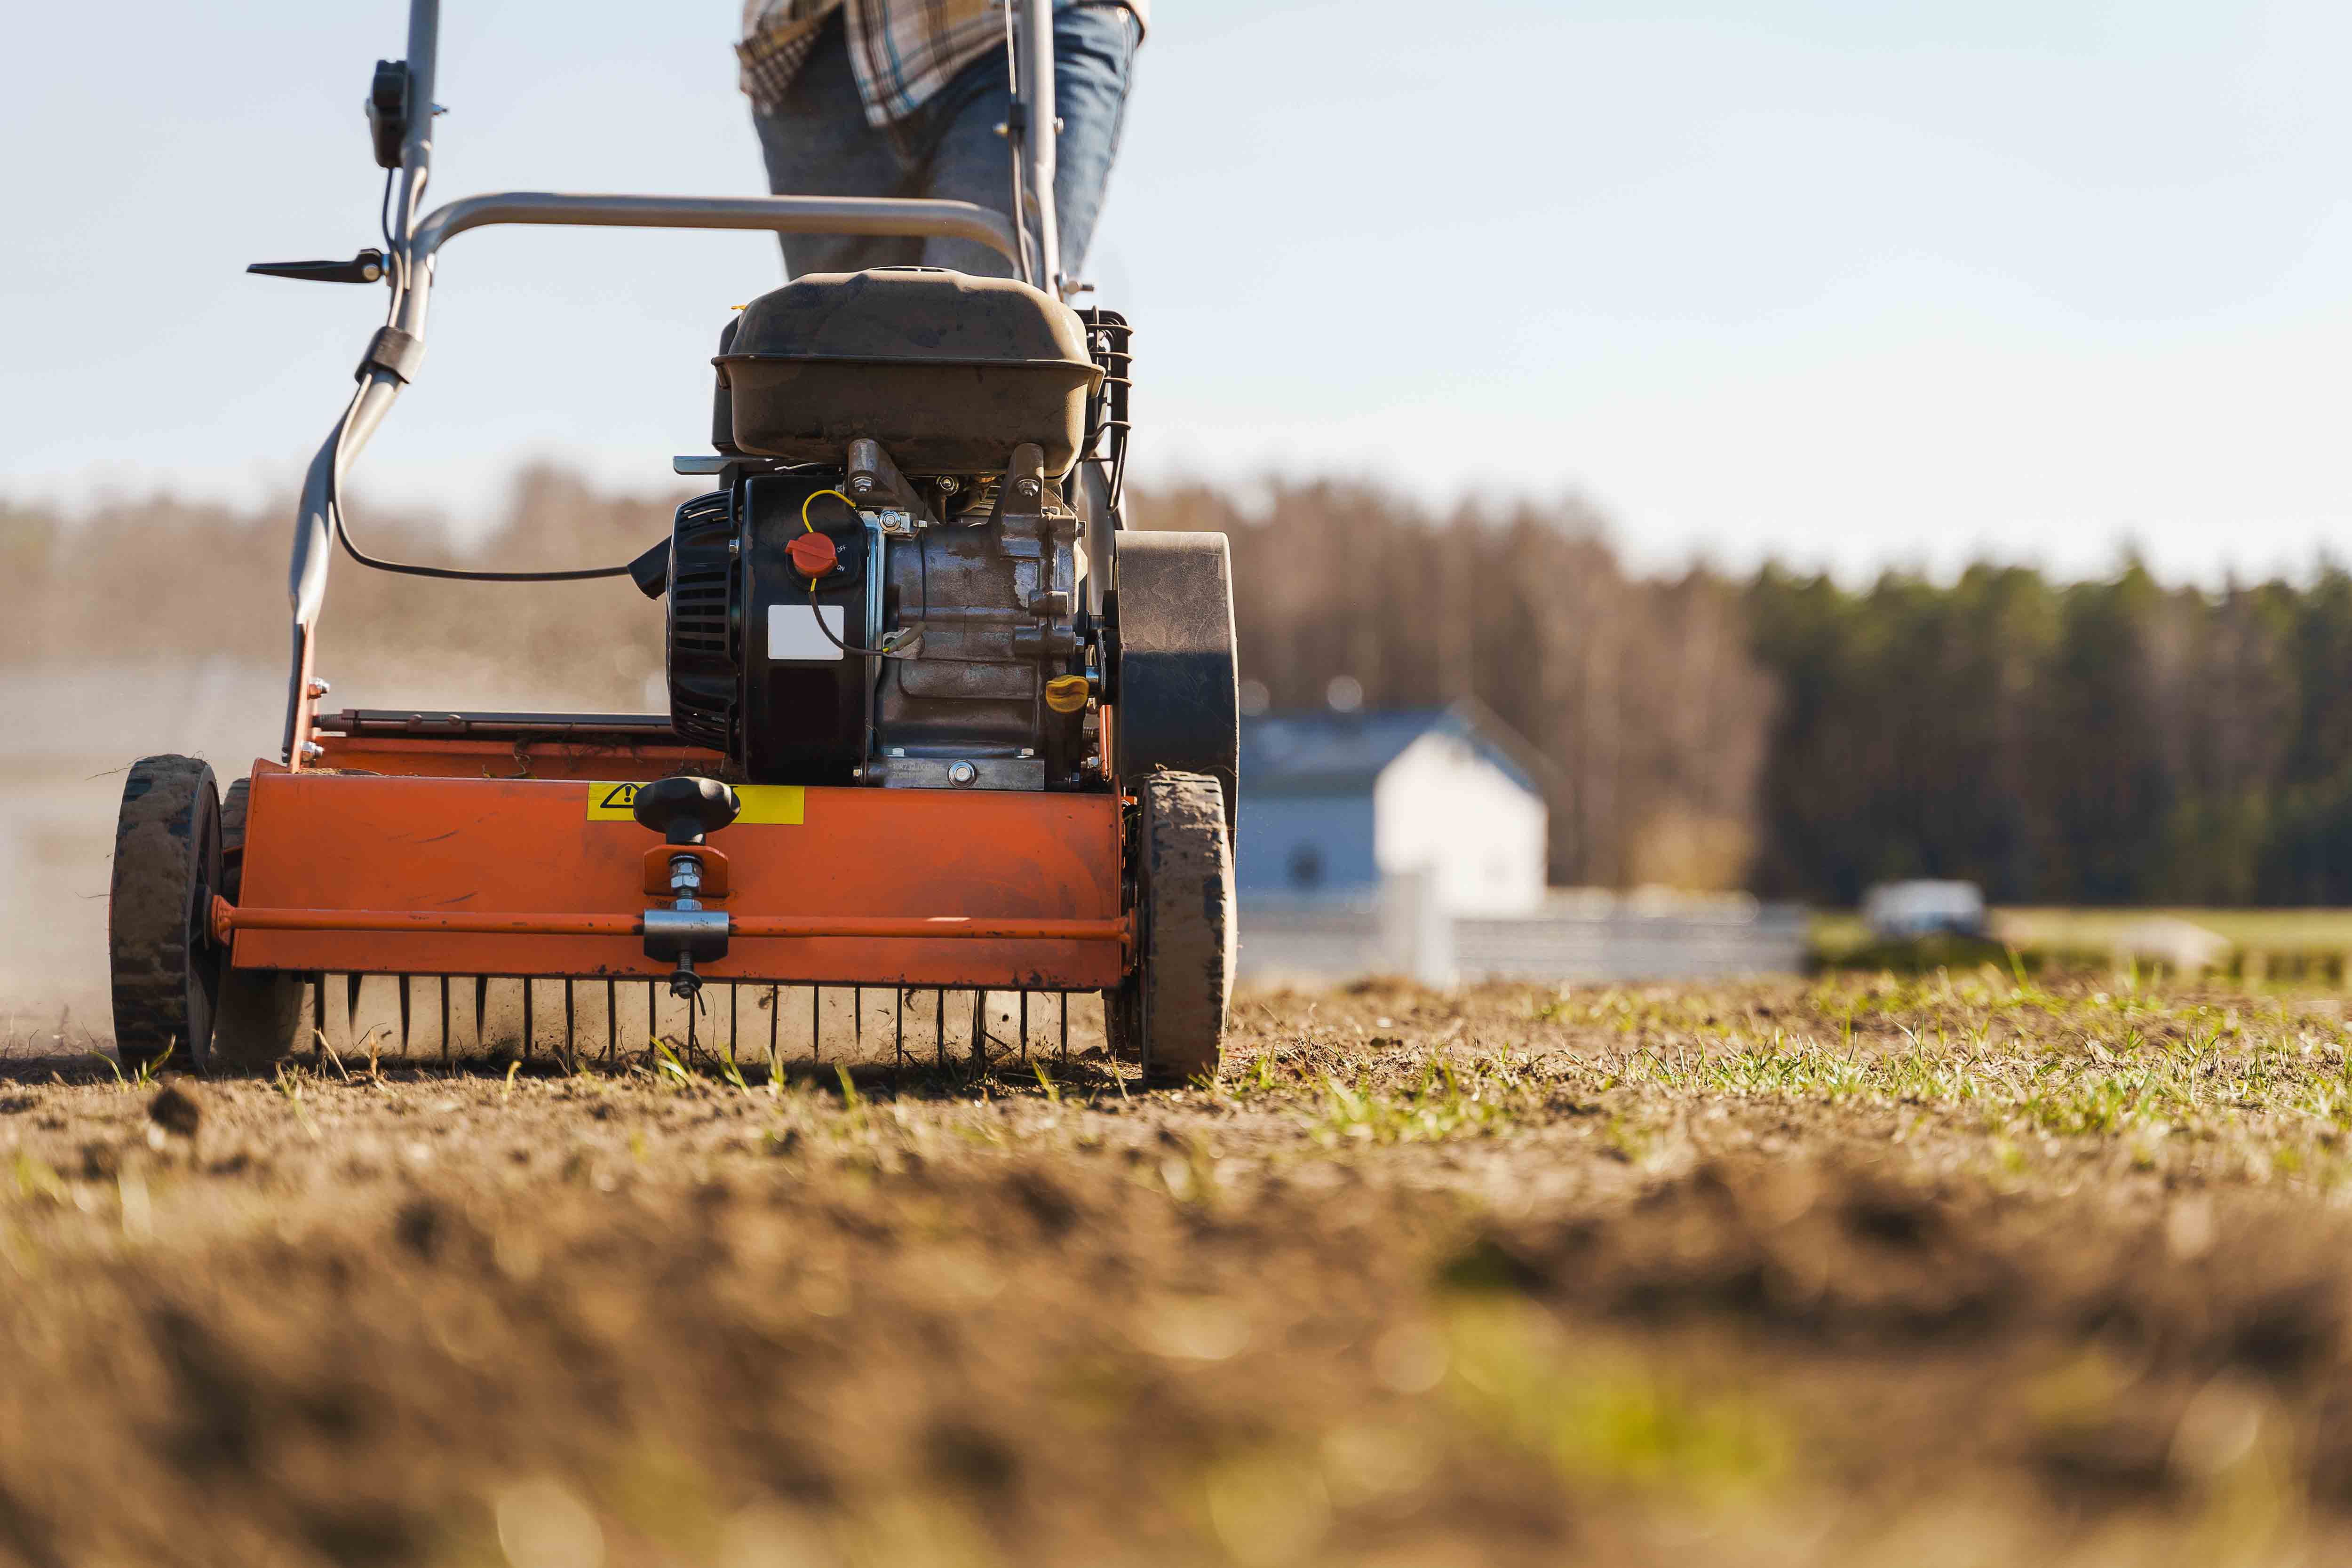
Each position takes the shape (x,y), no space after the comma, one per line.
(817,144)
(1094,61)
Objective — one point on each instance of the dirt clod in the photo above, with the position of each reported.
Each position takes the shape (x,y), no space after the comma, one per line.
(174,1109)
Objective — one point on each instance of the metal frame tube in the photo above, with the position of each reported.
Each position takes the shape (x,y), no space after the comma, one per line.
(1038,94)
(781,214)
(229,918)
(416,147)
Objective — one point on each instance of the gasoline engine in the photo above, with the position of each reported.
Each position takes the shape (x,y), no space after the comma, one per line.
(896,587)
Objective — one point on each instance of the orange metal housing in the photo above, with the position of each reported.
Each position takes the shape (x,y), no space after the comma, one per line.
(353,874)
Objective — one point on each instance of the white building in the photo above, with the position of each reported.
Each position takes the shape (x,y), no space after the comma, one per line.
(1333,803)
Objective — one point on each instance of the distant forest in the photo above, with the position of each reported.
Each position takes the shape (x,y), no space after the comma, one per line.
(2105,743)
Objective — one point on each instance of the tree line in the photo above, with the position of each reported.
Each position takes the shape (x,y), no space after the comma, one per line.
(2116,740)
(2112,741)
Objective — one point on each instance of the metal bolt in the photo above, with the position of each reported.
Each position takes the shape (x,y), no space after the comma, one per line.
(862,483)
(962,774)
(950,484)
(318,688)
(312,750)
(734,547)
(1026,489)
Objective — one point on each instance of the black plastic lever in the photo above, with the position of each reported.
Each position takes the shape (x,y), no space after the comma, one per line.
(650,570)
(388,111)
(684,808)
(367,267)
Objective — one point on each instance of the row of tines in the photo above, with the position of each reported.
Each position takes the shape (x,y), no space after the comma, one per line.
(588,1023)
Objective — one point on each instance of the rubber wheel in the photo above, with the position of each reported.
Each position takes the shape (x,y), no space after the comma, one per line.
(1172,1008)
(167,865)
(1122,1031)
(233,803)
(263,1014)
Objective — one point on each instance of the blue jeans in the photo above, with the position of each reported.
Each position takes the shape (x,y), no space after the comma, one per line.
(817,144)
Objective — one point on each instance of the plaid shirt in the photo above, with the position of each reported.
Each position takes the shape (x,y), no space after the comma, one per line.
(902,50)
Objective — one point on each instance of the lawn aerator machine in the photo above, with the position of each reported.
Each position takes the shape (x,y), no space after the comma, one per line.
(938,722)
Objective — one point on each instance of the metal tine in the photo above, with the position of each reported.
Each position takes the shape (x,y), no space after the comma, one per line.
(653,1029)
(1063,1053)
(481,1013)
(979,1033)
(571,1039)
(734,1016)
(401,982)
(444,1020)
(611,1020)
(1025,1025)
(939,1029)
(898,1036)
(858,1021)
(775,1017)
(530,1025)
(334,1014)
(816,1024)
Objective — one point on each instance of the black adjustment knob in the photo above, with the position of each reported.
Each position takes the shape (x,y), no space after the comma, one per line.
(682,808)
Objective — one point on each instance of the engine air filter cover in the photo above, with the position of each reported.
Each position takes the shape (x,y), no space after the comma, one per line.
(948,372)
(705,674)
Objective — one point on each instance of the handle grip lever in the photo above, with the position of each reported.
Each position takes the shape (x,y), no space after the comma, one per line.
(367,267)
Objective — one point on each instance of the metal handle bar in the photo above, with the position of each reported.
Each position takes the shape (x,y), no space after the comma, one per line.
(784,215)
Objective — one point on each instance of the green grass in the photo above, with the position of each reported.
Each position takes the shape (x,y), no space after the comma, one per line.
(2003,1068)
(1449,1099)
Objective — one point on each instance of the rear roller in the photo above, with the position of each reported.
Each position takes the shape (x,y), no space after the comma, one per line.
(1178,689)
(1170,1014)
(263,1014)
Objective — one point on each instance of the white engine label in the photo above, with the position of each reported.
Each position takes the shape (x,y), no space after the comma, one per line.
(793,637)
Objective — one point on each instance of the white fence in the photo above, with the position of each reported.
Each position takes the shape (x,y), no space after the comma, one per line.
(1577,936)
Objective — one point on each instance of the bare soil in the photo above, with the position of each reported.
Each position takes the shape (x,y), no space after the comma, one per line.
(1973,1270)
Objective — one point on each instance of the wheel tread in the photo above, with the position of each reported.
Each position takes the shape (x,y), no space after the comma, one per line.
(1186,908)
(166,845)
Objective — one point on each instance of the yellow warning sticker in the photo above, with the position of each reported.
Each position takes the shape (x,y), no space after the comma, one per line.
(777,805)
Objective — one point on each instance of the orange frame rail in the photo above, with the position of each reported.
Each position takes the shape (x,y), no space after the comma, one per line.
(228,918)
(417,874)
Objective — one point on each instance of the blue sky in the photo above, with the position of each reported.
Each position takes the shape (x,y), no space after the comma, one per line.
(1847,282)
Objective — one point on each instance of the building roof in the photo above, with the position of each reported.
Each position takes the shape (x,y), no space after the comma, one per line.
(1318,751)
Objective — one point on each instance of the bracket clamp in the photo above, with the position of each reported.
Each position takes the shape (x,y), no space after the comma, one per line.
(396,353)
